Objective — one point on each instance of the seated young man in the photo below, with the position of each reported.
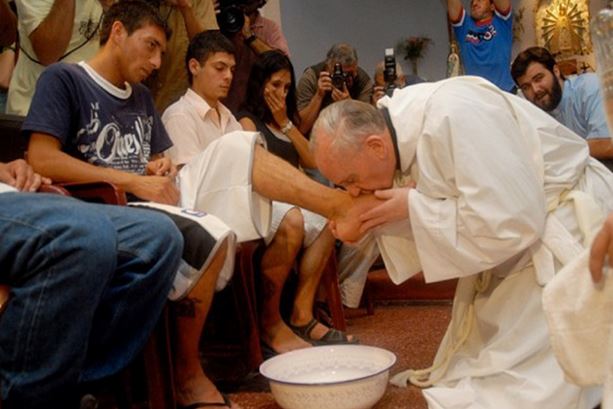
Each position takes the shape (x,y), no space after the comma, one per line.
(95,121)
(199,118)
(88,285)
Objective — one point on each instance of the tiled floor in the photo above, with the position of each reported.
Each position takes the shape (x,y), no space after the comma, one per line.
(411,331)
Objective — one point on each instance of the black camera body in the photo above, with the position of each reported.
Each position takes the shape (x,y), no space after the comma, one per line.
(231,17)
(389,71)
(338,77)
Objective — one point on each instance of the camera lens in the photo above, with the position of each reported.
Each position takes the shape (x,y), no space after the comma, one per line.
(231,19)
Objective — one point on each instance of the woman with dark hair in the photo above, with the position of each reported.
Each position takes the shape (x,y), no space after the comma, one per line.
(270,108)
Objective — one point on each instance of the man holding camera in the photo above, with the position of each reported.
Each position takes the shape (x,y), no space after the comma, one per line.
(316,89)
(252,35)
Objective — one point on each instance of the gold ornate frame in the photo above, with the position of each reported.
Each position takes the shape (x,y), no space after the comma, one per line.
(562,26)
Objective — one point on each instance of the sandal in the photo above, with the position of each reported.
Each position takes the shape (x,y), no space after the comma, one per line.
(332,337)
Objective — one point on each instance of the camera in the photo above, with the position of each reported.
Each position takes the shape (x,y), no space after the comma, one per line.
(338,77)
(231,17)
(389,71)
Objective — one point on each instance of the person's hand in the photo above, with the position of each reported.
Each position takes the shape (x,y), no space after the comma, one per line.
(324,83)
(20,175)
(246,30)
(277,107)
(339,95)
(159,189)
(346,224)
(161,167)
(602,249)
(395,207)
(378,92)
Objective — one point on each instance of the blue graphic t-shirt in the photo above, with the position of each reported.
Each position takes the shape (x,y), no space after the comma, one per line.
(486,47)
(94,120)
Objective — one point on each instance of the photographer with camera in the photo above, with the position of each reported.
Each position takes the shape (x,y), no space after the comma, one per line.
(186,18)
(335,79)
(252,34)
(388,76)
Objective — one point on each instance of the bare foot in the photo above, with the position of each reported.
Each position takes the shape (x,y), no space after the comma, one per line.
(282,339)
(197,387)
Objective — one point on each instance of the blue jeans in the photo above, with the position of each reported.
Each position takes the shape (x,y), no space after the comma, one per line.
(88,285)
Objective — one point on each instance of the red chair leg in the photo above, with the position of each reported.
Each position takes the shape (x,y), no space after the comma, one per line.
(329,281)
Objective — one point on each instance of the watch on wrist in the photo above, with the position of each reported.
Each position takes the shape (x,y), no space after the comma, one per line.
(287,127)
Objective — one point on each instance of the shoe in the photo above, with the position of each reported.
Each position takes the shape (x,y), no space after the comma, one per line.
(225,404)
(332,337)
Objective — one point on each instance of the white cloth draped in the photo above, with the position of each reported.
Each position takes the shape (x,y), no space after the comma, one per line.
(487,165)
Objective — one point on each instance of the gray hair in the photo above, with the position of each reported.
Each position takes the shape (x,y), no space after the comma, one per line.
(343,54)
(380,68)
(348,123)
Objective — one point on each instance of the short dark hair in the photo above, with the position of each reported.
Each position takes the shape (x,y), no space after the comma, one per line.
(203,45)
(528,56)
(269,63)
(133,14)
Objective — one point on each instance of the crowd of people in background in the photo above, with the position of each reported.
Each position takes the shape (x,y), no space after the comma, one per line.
(182,110)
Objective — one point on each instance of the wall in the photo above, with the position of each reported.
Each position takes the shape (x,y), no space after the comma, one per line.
(312,26)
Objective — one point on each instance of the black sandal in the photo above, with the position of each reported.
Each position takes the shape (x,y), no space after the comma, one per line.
(332,337)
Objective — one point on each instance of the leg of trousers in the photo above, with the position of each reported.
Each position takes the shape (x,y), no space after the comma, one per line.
(88,285)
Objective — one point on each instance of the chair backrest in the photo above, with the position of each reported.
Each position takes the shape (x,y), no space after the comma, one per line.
(12,142)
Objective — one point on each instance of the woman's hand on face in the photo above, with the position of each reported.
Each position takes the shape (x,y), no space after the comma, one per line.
(277,107)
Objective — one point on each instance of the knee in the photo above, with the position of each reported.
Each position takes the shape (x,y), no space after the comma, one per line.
(292,226)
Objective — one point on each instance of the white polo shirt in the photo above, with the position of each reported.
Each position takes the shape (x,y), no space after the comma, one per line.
(191,126)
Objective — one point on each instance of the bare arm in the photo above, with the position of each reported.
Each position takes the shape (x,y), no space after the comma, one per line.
(258,45)
(193,26)
(601,148)
(309,113)
(46,157)
(454,7)
(8,24)
(52,36)
(502,5)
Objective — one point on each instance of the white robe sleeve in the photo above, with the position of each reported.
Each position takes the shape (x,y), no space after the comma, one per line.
(479,200)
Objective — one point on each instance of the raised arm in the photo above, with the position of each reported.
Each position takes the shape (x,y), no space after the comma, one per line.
(193,25)
(454,8)
(8,24)
(46,157)
(52,36)
(502,5)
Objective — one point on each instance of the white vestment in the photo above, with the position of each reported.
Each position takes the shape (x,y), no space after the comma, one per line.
(488,166)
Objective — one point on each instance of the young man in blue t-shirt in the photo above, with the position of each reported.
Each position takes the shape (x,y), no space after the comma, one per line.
(95,121)
(485,38)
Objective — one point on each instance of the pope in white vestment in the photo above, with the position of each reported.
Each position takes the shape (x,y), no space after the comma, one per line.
(505,196)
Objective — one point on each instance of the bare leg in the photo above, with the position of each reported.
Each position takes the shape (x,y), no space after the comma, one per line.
(192,385)
(277,262)
(312,265)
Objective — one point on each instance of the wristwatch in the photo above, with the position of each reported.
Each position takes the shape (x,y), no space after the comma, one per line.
(287,127)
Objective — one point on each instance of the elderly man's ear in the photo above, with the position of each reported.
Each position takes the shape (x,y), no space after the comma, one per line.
(377,146)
